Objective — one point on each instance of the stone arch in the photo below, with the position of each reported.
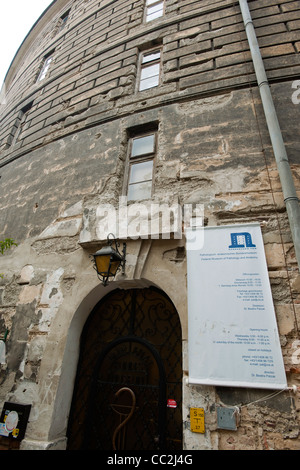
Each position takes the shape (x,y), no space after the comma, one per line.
(63,398)
(124,318)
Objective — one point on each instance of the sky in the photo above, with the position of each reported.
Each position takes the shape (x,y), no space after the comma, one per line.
(16,19)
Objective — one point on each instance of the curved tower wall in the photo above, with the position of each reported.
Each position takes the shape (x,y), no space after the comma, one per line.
(65,151)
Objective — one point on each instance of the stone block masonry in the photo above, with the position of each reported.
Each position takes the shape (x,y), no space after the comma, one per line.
(205,53)
(71,153)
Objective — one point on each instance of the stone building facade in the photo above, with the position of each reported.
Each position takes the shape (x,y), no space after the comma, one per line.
(77,98)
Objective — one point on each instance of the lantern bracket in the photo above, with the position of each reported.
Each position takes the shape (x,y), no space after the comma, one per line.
(111,259)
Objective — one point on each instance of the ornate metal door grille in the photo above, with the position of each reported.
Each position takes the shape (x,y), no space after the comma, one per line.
(132,341)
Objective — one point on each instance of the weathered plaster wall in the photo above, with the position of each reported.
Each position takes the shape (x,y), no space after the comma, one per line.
(213,149)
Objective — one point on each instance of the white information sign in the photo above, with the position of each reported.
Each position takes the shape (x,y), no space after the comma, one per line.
(233,336)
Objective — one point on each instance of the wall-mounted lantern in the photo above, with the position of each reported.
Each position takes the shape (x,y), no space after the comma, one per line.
(108,260)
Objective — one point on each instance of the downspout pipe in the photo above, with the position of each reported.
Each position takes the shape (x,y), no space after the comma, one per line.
(287,183)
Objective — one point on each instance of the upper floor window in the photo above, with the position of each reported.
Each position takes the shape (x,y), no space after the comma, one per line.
(154,9)
(62,21)
(141,163)
(149,70)
(45,66)
(20,123)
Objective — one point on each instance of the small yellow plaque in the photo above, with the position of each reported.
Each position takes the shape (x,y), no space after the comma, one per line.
(197,420)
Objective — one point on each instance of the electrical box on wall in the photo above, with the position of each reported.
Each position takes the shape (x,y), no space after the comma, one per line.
(227,418)
(13,420)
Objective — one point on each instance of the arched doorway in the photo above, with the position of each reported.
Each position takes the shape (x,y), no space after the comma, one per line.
(128,390)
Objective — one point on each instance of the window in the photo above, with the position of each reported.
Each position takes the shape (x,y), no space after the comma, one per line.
(141,163)
(62,21)
(45,66)
(149,70)
(154,9)
(20,123)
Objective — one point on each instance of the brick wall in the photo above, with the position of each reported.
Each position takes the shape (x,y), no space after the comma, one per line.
(94,71)
(93,77)
(213,148)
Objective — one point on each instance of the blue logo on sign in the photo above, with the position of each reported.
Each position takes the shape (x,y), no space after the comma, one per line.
(241,240)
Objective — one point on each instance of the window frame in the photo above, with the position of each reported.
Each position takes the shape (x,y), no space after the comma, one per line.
(151,5)
(44,68)
(20,123)
(63,21)
(137,159)
(142,66)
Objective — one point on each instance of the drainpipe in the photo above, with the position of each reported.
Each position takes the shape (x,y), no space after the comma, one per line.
(288,188)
